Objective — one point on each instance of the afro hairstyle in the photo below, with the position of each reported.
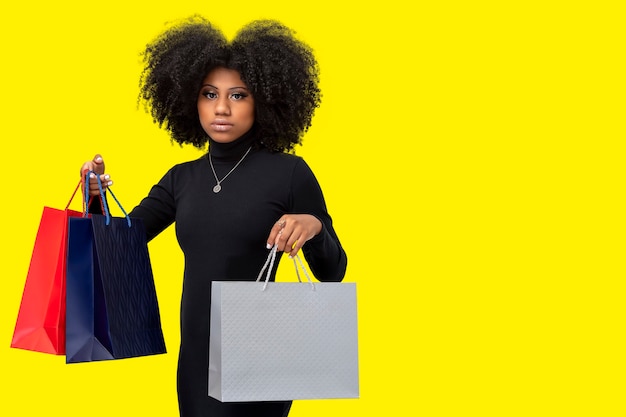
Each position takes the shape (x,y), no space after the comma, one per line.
(280,71)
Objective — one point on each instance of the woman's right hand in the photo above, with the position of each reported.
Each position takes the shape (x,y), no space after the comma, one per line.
(96,165)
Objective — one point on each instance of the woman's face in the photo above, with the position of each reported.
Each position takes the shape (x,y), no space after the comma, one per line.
(225,105)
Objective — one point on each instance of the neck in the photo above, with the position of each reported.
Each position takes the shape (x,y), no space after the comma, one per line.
(232,150)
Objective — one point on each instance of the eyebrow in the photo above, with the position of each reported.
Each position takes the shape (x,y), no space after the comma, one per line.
(231,88)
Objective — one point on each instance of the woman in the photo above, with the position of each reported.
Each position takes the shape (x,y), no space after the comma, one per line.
(251,100)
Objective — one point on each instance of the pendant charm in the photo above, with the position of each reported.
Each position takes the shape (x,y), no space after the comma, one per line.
(218,187)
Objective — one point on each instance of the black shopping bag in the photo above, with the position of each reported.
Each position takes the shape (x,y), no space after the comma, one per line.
(111,306)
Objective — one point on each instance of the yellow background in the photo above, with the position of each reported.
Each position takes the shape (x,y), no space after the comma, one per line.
(471,155)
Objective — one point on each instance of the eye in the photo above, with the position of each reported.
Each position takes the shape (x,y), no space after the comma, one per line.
(209,94)
(238,96)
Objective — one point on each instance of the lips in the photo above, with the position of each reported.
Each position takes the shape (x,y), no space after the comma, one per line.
(221,125)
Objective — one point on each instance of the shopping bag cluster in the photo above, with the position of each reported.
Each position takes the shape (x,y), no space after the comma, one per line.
(89,292)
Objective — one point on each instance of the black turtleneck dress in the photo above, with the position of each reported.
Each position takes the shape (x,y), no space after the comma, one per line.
(223,237)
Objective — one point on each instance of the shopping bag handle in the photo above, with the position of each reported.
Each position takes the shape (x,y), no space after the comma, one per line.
(85,203)
(74,194)
(271,257)
(103,200)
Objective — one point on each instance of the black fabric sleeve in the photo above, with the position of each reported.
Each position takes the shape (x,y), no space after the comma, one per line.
(324,253)
(158,209)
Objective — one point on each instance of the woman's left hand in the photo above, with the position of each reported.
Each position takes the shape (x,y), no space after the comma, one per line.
(292,231)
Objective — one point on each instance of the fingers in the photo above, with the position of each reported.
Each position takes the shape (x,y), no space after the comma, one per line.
(96,166)
(290,239)
(292,231)
(293,246)
(105,180)
(275,232)
(288,242)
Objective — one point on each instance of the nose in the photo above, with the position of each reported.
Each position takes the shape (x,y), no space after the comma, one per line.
(222,106)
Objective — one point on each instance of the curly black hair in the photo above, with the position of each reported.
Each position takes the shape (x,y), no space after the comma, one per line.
(280,71)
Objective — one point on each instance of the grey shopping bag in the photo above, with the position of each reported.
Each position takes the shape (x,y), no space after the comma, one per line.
(273,341)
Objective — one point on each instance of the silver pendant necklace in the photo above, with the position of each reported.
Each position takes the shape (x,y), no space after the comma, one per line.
(218,187)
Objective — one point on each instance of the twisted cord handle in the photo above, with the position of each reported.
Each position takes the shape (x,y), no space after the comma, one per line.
(271,257)
(74,194)
(306,273)
(103,200)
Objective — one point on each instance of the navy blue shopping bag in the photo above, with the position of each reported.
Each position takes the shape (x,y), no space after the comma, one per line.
(111,305)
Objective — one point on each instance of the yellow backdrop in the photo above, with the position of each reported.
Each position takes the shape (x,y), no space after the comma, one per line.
(471,154)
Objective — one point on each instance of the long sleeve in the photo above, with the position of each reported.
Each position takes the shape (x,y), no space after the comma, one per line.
(158,209)
(324,253)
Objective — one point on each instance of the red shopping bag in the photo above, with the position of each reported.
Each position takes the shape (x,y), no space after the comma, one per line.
(40,324)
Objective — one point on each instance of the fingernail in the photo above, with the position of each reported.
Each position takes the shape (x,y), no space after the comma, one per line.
(110,183)
(290,257)
(98,159)
(268,246)
(106,177)
(92,175)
